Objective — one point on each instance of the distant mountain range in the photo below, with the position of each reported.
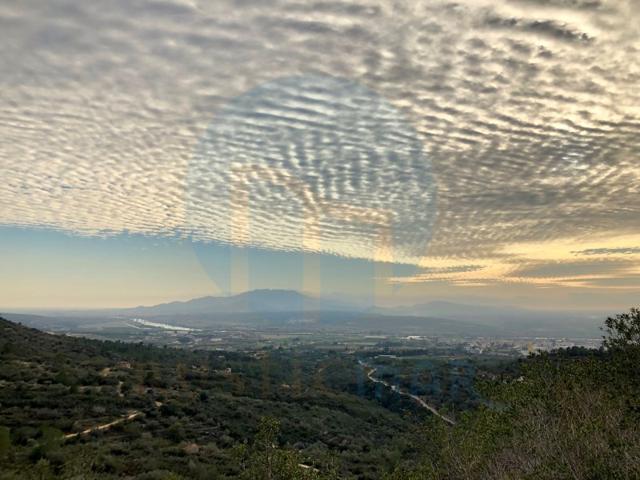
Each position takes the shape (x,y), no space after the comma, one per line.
(293,309)
(254,301)
(508,318)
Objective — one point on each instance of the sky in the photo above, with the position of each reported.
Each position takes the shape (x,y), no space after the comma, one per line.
(391,152)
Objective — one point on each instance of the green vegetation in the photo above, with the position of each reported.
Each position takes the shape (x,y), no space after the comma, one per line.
(185,413)
(571,414)
(79,408)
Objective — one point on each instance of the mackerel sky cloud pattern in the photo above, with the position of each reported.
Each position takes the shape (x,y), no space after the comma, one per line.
(528,110)
(314,163)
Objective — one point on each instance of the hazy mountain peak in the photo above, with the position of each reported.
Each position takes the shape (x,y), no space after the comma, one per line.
(259,300)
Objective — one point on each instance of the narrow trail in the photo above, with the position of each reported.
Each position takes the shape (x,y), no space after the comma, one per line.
(415,398)
(105,426)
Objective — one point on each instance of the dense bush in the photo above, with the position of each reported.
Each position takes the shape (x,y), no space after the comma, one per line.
(570,415)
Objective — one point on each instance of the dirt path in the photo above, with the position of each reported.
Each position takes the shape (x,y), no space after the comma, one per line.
(415,398)
(105,426)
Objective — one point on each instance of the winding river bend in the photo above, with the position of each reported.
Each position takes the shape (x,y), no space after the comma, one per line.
(398,390)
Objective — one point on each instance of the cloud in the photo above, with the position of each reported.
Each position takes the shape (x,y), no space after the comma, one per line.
(541,27)
(453,269)
(571,269)
(314,162)
(609,251)
(527,113)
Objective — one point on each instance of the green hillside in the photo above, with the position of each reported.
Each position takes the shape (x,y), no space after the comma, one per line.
(571,414)
(78,408)
(185,412)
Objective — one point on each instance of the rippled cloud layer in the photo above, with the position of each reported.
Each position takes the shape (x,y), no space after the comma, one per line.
(528,112)
(314,163)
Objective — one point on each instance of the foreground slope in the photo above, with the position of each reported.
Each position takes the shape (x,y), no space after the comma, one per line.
(76,408)
(124,410)
(571,414)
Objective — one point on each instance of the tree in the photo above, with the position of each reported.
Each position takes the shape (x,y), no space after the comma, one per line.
(622,342)
(176,432)
(623,331)
(265,460)
(5,441)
